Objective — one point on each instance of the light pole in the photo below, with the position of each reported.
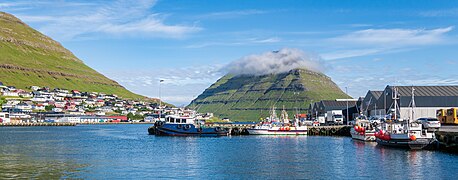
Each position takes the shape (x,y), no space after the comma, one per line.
(346,92)
(160,100)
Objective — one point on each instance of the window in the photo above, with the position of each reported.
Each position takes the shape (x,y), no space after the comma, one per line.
(183,120)
(449,112)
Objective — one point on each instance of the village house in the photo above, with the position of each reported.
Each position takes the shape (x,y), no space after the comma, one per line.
(11,93)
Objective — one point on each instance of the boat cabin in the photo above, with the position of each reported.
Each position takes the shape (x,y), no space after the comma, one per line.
(179,120)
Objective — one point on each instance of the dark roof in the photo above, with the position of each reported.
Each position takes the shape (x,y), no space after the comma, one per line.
(425,96)
(427,90)
(337,104)
(376,94)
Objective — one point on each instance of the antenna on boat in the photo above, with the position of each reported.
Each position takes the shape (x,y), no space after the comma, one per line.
(412,103)
(395,98)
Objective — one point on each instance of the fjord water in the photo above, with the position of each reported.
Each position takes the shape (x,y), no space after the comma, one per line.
(127,151)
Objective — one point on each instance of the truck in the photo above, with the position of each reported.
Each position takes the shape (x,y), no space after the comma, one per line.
(334,117)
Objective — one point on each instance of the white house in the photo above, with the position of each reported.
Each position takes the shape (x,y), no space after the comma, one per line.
(57,109)
(24,107)
(34,88)
(38,99)
(5,117)
(11,93)
(38,107)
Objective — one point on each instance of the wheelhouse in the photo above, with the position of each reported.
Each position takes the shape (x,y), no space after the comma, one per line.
(179,120)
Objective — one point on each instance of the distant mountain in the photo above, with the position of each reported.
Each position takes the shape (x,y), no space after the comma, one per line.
(28,58)
(249,97)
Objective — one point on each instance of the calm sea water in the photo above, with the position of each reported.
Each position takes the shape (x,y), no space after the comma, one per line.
(127,152)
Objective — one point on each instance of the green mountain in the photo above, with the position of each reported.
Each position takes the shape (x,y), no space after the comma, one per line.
(249,98)
(28,58)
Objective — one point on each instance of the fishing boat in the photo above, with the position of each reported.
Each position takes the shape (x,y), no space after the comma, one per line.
(401,133)
(282,126)
(175,125)
(364,130)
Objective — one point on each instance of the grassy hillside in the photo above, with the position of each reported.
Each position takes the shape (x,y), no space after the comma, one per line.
(248,98)
(28,57)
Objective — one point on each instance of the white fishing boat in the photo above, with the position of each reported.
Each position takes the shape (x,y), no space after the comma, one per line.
(364,130)
(282,126)
(401,133)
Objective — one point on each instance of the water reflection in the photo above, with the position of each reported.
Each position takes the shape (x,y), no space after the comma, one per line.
(16,166)
(127,151)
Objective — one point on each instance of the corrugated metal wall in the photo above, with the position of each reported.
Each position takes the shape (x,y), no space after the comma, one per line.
(420,112)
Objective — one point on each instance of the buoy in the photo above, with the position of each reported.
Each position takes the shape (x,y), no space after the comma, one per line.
(356,128)
(361,133)
(362,129)
(387,136)
(413,137)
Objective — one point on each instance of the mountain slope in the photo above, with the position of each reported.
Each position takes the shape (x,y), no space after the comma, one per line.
(28,58)
(248,97)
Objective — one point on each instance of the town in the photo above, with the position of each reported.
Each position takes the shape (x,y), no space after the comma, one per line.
(43,104)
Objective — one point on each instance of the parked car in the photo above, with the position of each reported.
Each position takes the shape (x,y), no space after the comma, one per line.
(429,122)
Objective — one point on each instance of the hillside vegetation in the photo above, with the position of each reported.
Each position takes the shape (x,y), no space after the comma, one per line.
(249,98)
(28,58)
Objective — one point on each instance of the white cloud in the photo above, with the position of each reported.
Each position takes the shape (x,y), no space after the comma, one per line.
(397,37)
(274,62)
(349,53)
(231,14)
(377,41)
(122,17)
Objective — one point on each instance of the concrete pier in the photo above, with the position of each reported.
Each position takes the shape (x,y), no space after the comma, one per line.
(241,129)
(447,136)
(329,130)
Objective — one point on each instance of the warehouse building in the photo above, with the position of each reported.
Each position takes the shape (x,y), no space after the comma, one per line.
(427,100)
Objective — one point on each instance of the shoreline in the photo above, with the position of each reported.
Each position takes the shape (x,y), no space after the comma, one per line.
(67,124)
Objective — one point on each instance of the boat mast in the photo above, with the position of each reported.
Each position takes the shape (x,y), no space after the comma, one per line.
(284,115)
(395,98)
(413,106)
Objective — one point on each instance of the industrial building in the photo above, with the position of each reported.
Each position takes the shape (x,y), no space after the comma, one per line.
(427,99)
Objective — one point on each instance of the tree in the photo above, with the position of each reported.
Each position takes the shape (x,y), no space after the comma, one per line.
(130,116)
(49,107)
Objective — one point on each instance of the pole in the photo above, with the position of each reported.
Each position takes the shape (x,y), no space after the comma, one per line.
(384,102)
(346,92)
(160,100)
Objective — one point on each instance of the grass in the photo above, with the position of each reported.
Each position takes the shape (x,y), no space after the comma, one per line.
(244,98)
(30,58)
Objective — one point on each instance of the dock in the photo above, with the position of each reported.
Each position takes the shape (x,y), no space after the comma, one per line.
(241,129)
(447,136)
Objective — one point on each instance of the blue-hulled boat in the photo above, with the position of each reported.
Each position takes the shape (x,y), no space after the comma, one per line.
(184,126)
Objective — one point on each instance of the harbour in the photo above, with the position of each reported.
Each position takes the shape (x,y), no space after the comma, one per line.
(149,89)
(112,151)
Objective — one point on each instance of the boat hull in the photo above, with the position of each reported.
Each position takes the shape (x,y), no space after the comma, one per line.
(292,131)
(367,136)
(186,130)
(409,144)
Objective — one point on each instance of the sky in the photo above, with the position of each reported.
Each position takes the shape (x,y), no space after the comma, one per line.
(361,45)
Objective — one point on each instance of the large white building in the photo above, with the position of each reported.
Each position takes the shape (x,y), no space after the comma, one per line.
(428,99)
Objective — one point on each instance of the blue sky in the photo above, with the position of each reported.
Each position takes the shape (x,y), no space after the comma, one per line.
(362,44)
